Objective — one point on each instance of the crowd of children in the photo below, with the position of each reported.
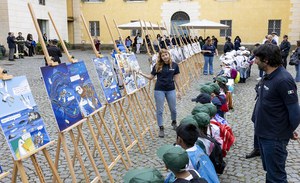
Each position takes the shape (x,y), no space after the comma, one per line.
(203,139)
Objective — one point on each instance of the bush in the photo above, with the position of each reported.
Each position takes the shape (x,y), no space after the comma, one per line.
(66,43)
(39,49)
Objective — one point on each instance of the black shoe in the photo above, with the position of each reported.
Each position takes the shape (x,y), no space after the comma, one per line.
(11,59)
(174,124)
(161,133)
(254,153)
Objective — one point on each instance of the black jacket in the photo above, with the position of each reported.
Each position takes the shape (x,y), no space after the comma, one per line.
(11,41)
(228,47)
(55,53)
(285,47)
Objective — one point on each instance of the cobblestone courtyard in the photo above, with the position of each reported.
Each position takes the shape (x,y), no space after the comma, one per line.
(238,168)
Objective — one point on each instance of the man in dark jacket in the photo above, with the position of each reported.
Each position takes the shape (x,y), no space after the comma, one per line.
(54,51)
(11,41)
(285,47)
(276,114)
(228,45)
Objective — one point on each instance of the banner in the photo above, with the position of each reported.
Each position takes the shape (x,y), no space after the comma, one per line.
(107,79)
(21,123)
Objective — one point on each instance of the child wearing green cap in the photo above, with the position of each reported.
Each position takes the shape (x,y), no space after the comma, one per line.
(143,175)
(187,135)
(176,159)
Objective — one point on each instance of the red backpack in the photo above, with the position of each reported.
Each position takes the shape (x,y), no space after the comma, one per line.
(226,135)
(224,106)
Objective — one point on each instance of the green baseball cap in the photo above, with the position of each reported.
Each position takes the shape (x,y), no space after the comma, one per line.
(212,109)
(200,108)
(143,175)
(222,79)
(189,119)
(202,119)
(174,157)
(206,89)
(215,87)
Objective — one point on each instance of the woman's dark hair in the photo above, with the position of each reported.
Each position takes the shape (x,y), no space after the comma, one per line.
(298,43)
(223,86)
(188,133)
(270,53)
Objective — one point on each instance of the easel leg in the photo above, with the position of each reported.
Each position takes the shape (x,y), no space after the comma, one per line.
(120,136)
(130,127)
(130,103)
(77,153)
(68,158)
(57,156)
(37,168)
(111,138)
(21,170)
(87,149)
(52,167)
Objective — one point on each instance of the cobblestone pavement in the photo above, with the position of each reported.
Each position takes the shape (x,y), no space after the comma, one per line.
(238,168)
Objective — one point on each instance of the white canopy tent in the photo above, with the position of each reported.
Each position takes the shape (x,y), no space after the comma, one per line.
(204,24)
(137,25)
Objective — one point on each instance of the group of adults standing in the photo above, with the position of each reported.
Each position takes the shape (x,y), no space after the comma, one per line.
(17,45)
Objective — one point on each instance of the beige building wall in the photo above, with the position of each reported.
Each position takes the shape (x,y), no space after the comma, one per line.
(17,18)
(249,18)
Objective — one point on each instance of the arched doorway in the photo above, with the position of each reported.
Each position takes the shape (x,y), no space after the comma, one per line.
(179,18)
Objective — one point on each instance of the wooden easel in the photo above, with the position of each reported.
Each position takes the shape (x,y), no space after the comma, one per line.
(62,139)
(197,59)
(186,77)
(200,59)
(18,165)
(3,175)
(50,62)
(191,59)
(133,102)
(119,110)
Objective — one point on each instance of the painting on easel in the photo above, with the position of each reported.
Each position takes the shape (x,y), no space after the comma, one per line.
(85,92)
(127,72)
(134,66)
(62,95)
(20,119)
(107,79)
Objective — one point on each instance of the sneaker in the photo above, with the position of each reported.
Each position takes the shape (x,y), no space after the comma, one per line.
(161,133)
(174,124)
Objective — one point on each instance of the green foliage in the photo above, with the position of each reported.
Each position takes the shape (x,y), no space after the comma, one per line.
(66,43)
(39,49)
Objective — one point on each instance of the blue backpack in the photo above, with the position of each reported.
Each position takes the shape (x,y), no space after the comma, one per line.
(203,165)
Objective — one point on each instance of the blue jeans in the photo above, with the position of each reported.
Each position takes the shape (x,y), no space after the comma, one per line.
(297,67)
(273,154)
(208,61)
(160,100)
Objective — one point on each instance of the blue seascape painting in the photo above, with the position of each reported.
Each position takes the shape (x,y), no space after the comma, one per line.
(107,79)
(62,95)
(85,93)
